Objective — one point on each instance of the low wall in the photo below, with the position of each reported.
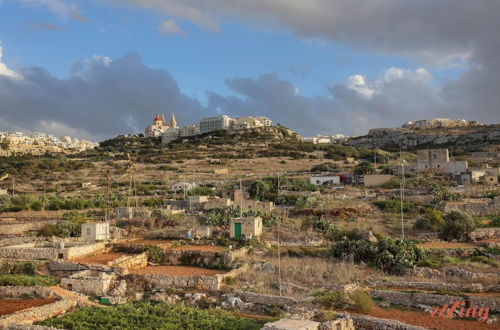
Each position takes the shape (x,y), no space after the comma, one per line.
(89,283)
(431,286)
(16,228)
(269,300)
(478,206)
(36,314)
(130,262)
(32,252)
(485,233)
(32,291)
(179,282)
(363,322)
(434,300)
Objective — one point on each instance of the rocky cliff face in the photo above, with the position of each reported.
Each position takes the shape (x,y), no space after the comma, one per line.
(470,138)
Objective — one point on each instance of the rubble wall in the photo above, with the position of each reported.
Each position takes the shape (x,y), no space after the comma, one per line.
(164,281)
(36,314)
(18,291)
(369,322)
(477,206)
(130,262)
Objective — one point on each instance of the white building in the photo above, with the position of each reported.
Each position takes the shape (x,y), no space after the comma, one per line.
(189,130)
(183,186)
(159,126)
(95,231)
(215,123)
(169,135)
(250,122)
(320,180)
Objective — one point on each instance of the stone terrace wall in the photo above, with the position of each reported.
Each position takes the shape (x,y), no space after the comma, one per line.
(36,314)
(431,286)
(478,206)
(270,300)
(165,281)
(16,228)
(130,262)
(363,322)
(485,233)
(32,252)
(18,291)
(76,252)
(434,300)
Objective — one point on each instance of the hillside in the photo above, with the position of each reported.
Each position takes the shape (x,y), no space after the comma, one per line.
(476,138)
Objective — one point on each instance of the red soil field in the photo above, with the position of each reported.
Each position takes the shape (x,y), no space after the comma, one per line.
(9,306)
(427,321)
(176,271)
(100,258)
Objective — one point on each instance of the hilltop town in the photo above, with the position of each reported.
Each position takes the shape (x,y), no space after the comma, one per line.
(247,223)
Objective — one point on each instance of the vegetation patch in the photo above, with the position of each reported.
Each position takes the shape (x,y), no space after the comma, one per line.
(26,280)
(150,315)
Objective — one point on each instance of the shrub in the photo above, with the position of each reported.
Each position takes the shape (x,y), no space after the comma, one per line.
(390,255)
(394,206)
(331,299)
(23,267)
(457,225)
(50,230)
(155,253)
(364,168)
(362,302)
(431,220)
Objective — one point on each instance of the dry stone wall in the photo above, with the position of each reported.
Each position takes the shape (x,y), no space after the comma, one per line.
(18,291)
(431,286)
(36,314)
(477,206)
(365,322)
(165,281)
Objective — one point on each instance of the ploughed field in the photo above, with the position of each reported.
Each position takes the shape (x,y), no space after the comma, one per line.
(176,271)
(9,306)
(102,259)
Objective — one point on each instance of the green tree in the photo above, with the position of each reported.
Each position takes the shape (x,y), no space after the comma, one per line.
(457,225)
(364,168)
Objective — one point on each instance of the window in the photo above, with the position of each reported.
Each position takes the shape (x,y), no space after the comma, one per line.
(88,231)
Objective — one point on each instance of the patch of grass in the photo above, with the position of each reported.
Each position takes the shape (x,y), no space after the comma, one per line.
(331,299)
(27,280)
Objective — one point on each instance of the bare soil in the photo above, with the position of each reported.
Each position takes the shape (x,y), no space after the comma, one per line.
(9,306)
(176,271)
(427,321)
(102,259)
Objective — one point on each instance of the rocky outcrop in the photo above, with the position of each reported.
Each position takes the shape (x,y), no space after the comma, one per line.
(396,138)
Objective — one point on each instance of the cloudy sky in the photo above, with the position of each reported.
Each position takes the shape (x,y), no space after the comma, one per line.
(99,68)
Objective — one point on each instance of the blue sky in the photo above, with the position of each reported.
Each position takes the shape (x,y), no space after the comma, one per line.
(38,33)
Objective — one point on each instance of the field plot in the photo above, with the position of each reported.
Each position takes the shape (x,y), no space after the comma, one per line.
(9,306)
(201,248)
(177,271)
(426,320)
(102,259)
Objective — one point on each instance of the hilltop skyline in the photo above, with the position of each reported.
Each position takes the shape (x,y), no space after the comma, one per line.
(100,68)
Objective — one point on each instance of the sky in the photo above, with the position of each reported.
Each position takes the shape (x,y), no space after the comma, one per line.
(99,68)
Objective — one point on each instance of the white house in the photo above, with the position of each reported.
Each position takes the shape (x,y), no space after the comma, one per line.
(95,231)
(320,180)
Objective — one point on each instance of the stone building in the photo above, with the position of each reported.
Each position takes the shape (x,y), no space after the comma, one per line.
(215,123)
(95,231)
(245,227)
(159,126)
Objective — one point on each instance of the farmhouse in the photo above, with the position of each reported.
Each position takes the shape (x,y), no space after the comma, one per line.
(245,227)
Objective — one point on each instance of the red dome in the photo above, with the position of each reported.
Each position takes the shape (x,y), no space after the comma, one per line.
(157,118)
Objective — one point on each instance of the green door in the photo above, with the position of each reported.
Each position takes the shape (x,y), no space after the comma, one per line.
(237,230)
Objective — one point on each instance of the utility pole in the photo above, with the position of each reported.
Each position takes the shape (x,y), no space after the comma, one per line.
(241,199)
(402,187)
(13,185)
(108,196)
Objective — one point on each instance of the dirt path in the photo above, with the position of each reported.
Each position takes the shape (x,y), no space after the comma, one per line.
(427,321)
(9,306)
(176,271)
(69,295)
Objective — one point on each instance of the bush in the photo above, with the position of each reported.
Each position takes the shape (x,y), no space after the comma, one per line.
(331,299)
(390,255)
(155,253)
(457,225)
(432,220)
(23,267)
(50,230)
(394,206)
(362,302)
(364,168)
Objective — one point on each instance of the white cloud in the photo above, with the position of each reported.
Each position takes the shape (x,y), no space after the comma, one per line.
(170,27)
(57,128)
(358,83)
(4,70)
